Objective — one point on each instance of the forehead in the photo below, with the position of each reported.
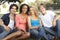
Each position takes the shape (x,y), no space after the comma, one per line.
(42,6)
(24,6)
(13,6)
(31,7)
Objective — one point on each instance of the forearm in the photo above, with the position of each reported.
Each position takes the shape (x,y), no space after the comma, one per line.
(54,20)
(54,23)
(33,27)
(3,26)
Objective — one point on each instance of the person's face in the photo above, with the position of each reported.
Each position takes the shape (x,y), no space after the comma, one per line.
(32,10)
(42,9)
(13,9)
(24,9)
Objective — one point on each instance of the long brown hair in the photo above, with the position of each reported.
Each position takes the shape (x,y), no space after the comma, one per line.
(36,13)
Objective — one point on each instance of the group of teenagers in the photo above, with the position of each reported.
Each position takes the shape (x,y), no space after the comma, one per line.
(43,24)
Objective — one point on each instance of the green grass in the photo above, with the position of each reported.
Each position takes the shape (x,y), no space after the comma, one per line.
(1,15)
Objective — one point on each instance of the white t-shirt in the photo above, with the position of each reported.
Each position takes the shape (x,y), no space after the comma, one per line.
(47,18)
(11,24)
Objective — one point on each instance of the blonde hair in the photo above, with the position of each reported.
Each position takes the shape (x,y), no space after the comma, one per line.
(36,13)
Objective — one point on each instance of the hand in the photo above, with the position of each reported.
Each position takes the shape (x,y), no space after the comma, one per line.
(36,28)
(7,28)
(57,17)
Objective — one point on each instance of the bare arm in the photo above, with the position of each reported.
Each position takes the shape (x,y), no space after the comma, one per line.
(56,17)
(40,22)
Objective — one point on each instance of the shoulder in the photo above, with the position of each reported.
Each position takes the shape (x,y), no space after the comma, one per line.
(17,15)
(50,11)
(29,17)
(6,15)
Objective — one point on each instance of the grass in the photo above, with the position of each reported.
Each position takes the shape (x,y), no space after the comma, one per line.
(1,15)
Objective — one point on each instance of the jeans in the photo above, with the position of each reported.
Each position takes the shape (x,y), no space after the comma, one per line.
(42,33)
(38,33)
(34,33)
(4,33)
(50,32)
(58,28)
(54,31)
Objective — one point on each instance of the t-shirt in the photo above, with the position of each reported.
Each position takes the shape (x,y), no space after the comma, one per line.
(47,18)
(11,24)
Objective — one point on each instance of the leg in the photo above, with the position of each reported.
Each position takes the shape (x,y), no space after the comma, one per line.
(58,27)
(34,33)
(42,33)
(24,36)
(3,34)
(50,33)
(1,29)
(13,34)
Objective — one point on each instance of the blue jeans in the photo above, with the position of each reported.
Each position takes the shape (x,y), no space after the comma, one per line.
(4,33)
(38,33)
(54,31)
(34,33)
(42,33)
(58,27)
(50,32)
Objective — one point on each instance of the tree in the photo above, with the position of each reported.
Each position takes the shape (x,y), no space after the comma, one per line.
(20,1)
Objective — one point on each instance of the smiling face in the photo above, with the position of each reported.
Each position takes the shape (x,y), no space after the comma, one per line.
(13,9)
(24,9)
(42,9)
(32,11)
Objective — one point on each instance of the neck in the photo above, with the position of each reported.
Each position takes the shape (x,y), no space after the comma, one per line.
(44,13)
(11,14)
(23,14)
(33,14)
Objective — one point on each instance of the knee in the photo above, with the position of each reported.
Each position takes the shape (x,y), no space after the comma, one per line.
(3,39)
(28,34)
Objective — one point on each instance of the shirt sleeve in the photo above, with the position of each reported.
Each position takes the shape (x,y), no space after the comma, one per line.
(3,17)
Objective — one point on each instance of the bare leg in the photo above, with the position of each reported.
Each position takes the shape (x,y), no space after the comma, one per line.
(24,36)
(13,35)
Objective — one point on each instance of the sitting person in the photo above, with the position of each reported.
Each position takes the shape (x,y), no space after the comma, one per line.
(35,25)
(49,19)
(7,21)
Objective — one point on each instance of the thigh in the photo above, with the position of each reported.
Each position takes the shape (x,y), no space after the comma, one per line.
(27,33)
(4,34)
(1,29)
(58,27)
(50,31)
(16,33)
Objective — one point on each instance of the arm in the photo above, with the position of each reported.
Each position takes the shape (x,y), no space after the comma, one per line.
(56,17)
(3,18)
(40,22)
(17,22)
(29,24)
(4,26)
